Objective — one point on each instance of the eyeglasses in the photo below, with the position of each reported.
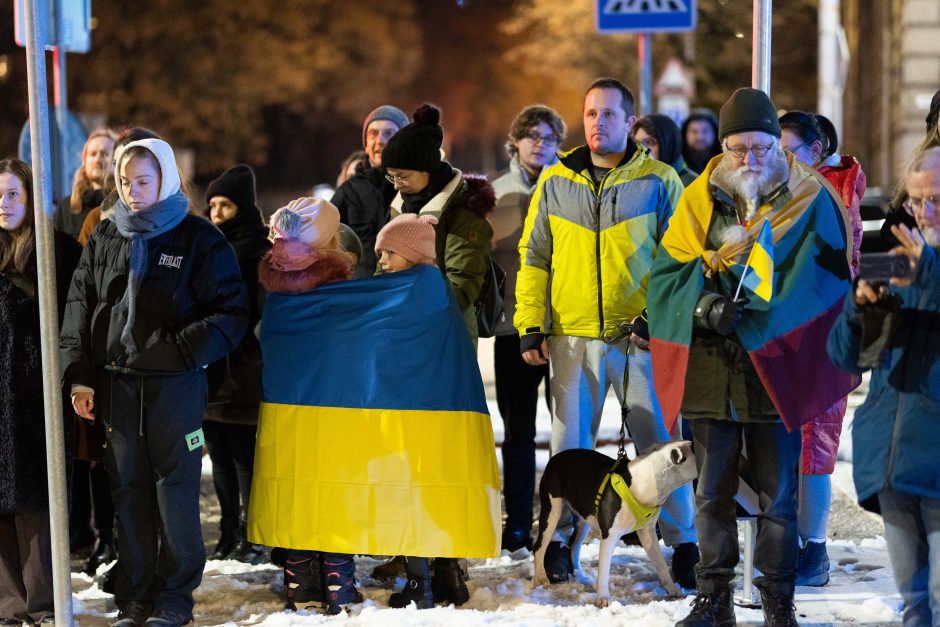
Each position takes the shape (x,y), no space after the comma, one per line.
(920,204)
(401,180)
(792,148)
(547,140)
(649,142)
(759,151)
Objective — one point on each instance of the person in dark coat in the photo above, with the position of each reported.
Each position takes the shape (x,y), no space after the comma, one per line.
(157,296)
(661,136)
(25,542)
(363,200)
(87,192)
(700,139)
(894,331)
(235,382)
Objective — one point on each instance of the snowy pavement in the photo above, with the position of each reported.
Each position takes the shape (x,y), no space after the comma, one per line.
(861,589)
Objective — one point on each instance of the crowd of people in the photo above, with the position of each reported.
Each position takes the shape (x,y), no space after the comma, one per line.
(188,324)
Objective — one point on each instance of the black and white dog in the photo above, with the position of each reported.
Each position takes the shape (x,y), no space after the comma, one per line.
(595,490)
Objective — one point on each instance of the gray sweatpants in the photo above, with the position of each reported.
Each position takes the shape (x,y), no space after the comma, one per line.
(582,370)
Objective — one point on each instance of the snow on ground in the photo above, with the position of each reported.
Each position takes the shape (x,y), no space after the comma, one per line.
(861,589)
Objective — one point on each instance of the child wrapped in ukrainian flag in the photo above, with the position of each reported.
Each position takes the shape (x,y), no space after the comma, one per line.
(374,435)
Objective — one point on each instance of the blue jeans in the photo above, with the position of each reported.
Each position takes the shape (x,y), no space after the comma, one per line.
(912,530)
(773,457)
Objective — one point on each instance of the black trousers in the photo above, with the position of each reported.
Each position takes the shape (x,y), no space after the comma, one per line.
(25,565)
(773,460)
(91,501)
(517,392)
(154,459)
(232,451)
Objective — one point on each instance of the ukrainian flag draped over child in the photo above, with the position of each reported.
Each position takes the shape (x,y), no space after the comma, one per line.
(374,435)
(785,337)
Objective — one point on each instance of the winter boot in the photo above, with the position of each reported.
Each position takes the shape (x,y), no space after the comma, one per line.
(245,551)
(684,558)
(104,553)
(711,610)
(778,608)
(418,587)
(227,541)
(558,562)
(339,581)
(391,569)
(813,567)
(515,539)
(447,584)
(303,578)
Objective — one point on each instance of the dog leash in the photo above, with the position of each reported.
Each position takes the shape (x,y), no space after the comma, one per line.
(643,514)
(614,334)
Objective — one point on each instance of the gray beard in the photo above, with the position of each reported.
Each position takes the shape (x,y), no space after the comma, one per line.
(931,236)
(749,186)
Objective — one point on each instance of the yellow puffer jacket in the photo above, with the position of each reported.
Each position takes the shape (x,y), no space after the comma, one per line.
(594,247)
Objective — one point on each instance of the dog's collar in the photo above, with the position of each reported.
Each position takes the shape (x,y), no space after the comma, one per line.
(642,513)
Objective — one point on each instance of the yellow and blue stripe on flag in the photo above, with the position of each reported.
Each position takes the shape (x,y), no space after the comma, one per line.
(374,435)
(759,272)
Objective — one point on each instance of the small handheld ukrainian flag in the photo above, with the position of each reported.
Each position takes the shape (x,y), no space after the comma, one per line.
(759,270)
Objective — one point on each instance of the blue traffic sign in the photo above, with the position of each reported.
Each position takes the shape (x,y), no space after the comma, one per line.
(645,16)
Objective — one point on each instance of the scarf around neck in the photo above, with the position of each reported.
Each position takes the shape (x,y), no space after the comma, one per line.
(138,227)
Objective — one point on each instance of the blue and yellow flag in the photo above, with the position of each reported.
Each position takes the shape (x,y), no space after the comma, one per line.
(374,435)
(759,270)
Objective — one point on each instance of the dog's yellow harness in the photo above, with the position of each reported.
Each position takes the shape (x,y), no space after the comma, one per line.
(642,513)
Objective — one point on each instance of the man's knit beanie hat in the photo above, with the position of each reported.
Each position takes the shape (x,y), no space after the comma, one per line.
(410,235)
(748,110)
(384,112)
(418,145)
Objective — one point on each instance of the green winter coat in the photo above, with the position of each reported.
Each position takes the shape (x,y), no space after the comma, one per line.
(464,236)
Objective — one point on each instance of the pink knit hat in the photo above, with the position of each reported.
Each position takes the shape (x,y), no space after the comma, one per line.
(313,221)
(411,236)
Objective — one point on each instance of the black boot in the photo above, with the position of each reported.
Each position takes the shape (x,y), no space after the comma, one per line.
(104,553)
(303,578)
(778,608)
(227,541)
(684,558)
(418,587)
(339,579)
(245,551)
(447,585)
(711,610)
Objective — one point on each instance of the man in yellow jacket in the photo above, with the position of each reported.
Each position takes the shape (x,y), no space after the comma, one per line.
(593,226)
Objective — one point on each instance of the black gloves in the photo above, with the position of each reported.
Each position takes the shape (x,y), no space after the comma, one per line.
(532,341)
(718,313)
(641,327)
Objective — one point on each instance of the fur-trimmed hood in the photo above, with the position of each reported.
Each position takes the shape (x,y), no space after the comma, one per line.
(470,190)
(332,266)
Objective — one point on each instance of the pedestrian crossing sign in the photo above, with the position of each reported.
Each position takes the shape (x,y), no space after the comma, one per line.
(645,16)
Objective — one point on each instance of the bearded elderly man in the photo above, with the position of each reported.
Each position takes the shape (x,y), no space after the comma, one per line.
(732,365)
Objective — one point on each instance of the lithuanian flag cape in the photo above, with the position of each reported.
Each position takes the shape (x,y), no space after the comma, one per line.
(785,337)
(374,435)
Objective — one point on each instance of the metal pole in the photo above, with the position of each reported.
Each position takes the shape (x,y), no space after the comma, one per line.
(830,81)
(645,53)
(48,312)
(60,100)
(760,63)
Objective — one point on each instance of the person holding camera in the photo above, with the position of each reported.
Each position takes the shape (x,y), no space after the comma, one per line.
(746,370)
(894,330)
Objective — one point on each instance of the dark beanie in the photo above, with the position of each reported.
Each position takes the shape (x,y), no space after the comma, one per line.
(748,110)
(237,184)
(418,145)
(384,112)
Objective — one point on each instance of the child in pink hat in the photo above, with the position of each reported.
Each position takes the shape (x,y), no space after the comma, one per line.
(407,241)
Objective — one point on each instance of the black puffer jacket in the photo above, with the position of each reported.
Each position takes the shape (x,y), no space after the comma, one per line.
(363,203)
(22,423)
(192,307)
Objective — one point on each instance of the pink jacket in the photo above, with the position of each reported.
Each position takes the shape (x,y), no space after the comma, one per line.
(821,434)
